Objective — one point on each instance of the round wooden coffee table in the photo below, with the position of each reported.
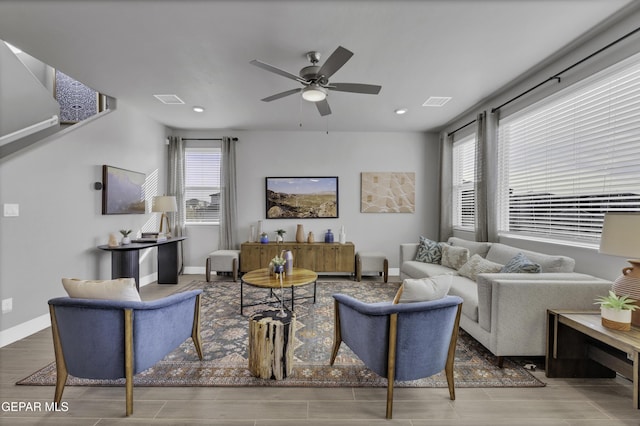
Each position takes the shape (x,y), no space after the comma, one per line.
(265,279)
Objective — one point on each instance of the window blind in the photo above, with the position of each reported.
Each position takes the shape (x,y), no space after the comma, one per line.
(202,185)
(464,152)
(568,159)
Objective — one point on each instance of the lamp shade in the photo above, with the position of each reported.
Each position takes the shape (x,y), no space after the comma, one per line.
(621,235)
(164,203)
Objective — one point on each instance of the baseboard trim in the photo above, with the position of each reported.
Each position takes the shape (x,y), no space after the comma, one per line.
(23,330)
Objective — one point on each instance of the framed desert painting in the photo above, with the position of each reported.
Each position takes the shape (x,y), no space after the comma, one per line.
(388,192)
(301,197)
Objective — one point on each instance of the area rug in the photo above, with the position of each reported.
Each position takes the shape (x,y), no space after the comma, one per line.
(225,342)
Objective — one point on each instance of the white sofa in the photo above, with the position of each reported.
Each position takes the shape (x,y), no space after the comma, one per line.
(506,312)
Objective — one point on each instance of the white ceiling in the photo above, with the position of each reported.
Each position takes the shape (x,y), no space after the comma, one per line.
(200,51)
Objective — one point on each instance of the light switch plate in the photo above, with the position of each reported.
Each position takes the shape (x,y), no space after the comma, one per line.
(11,210)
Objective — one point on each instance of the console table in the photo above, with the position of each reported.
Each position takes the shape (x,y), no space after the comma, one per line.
(318,257)
(125,260)
(579,346)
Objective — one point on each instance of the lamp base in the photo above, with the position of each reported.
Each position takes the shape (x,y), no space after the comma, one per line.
(628,284)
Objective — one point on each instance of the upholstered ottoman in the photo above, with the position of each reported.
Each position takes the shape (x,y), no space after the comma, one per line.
(223,261)
(372,261)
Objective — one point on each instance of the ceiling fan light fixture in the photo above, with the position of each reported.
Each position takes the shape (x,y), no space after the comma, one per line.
(314,93)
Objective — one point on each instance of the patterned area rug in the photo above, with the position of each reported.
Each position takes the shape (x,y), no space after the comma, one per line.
(225,341)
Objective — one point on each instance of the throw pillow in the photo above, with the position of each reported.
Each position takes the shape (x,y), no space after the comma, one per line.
(478,265)
(423,289)
(520,264)
(454,257)
(428,251)
(123,289)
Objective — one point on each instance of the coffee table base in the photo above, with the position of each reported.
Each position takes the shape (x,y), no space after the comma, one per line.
(275,297)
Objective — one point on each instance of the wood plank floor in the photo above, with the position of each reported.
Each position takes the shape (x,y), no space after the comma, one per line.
(562,402)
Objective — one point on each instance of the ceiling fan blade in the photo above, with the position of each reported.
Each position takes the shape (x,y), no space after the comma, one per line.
(278,71)
(368,89)
(323,107)
(334,62)
(281,95)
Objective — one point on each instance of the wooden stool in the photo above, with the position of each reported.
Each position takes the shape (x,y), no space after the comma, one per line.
(271,344)
(372,261)
(223,261)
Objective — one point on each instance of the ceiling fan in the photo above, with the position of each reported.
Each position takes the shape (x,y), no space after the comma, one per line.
(315,79)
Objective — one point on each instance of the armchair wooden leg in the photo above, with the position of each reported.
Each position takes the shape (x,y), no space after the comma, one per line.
(61,366)
(451,355)
(195,333)
(391,362)
(207,269)
(234,266)
(128,359)
(337,336)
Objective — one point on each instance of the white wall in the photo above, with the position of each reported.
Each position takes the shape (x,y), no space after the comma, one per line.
(342,154)
(60,222)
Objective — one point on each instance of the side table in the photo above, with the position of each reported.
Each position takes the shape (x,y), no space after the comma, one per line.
(579,346)
(271,341)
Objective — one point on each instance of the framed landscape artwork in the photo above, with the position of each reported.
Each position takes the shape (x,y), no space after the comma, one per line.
(122,191)
(301,197)
(388,192)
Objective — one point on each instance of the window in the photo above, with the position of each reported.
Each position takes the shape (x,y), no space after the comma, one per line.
(566,160)
(464,153)
(202,185)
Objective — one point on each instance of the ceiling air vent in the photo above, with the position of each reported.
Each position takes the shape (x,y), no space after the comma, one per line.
(169,99)
(436,101)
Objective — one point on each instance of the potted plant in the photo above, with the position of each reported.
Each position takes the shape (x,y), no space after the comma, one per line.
(280,237)
(277,265)
(264,238)
(125,236)
(616,311)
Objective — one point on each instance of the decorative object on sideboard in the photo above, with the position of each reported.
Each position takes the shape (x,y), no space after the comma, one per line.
(616,311)
(125,236)
(280,235)
(260,231)
(300,233)
(252,234)
(264,238)
(113,240)
(164,204)
(342,237)
(311,238)
(621,237)
(328,236)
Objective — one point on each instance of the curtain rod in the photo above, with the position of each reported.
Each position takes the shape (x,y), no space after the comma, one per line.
(557,75)
(463,126)
(207,139)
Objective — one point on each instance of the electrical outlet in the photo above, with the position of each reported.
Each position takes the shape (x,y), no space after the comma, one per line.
(11,210)
(7,305)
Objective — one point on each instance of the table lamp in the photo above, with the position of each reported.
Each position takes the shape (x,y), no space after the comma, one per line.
(621,237)
(164,204)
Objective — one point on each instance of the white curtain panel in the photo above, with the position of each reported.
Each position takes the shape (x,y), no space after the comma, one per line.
(228,196)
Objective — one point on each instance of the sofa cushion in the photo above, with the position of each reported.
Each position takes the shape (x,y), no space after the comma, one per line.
(474,247)
(123,289)
(428,251)
(415,269)
(423,289)
(520,264)
(478,265)
(502,253)
(453,256)
(467,289)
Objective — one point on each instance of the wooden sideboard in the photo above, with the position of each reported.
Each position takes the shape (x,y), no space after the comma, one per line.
(319,257)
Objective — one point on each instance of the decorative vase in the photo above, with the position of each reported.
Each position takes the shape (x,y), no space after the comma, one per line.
(342,237)
(279,238)
(287,255)
(278,270)
(328,236)
(616,319)
(125,241)
(628,284)
(300,233)
(311,238)
(264,239)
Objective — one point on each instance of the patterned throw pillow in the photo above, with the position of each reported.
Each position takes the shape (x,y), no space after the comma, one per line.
(428,251)
(478,265)
(520,263)
(453,256)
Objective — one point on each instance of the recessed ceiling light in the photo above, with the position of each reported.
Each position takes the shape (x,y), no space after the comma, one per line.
(198,109)
(169,99)
(436,101)
(401,111)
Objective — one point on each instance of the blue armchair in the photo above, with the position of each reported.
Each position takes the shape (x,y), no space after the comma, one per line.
(108,339)
(405,341)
